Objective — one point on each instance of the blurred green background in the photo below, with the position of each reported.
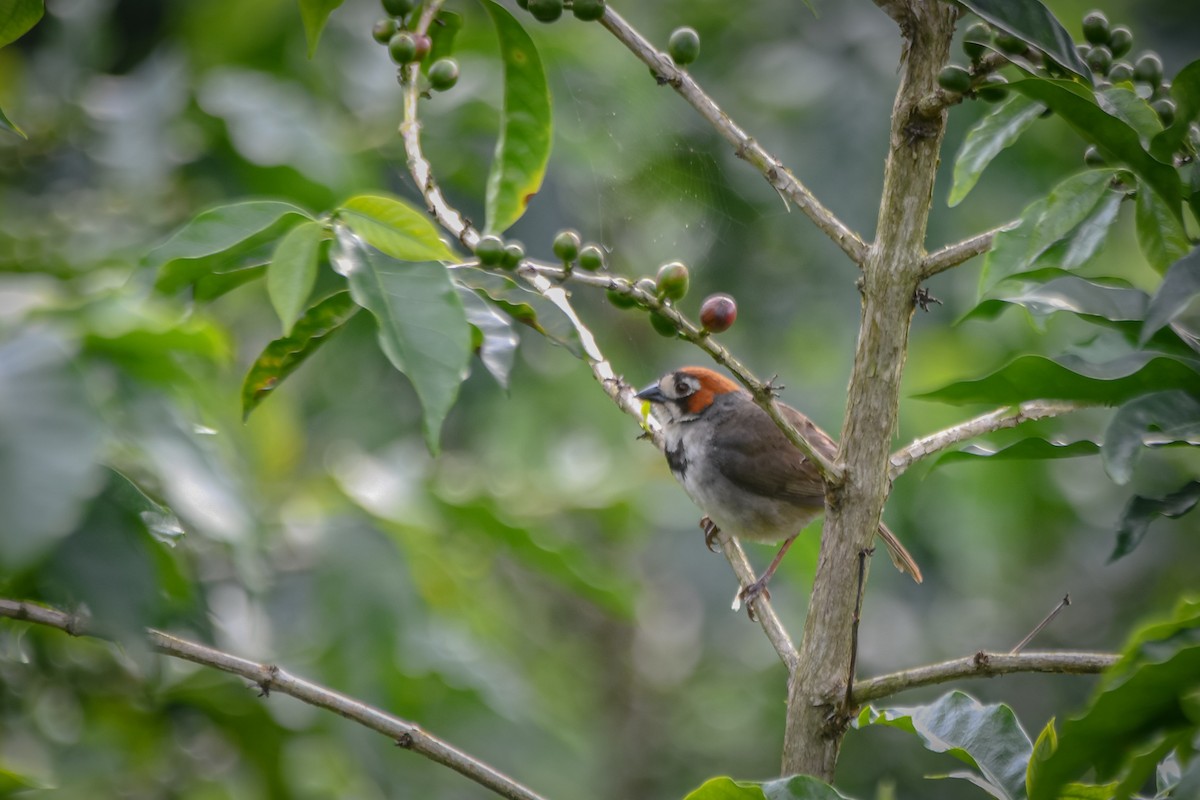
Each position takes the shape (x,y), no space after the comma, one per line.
(539,595)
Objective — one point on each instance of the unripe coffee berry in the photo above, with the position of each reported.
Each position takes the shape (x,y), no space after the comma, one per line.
(546,10)
(591,258)
(566,246)
(588,10)
(1120,41)
(1148,69)
(398,8)
(993,89)
(717,313)
(443,74)
(954,79)
(672,280)
(383,30)
(513,253)
(489,250)
(684,46)
(662,326)
(1095,28)
(620,299)
(976,39)
(403,48)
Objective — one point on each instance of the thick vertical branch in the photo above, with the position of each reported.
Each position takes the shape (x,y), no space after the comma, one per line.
(817,717)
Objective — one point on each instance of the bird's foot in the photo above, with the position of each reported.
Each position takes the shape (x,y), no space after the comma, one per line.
(750,594)
(711,532)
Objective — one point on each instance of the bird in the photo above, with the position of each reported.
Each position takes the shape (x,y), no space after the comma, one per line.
(741,470)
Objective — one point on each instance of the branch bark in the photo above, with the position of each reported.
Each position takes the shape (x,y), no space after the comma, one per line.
(271,678)
(982,665)
(952,255)
(817,717)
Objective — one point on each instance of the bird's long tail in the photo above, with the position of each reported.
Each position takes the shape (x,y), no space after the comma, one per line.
(900,557)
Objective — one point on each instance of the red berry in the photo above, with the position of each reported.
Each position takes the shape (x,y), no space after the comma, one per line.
(717,313)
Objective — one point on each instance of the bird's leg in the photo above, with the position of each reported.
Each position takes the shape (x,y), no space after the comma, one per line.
(711,531)
(759,587)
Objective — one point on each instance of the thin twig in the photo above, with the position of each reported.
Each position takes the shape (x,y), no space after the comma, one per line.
(1007,417)
(270,678)
(1066,601)
(952,255)
(746,147)
(763,612)
(982,665)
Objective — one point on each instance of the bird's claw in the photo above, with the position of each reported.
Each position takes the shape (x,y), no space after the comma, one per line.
(711,531)
(749,595)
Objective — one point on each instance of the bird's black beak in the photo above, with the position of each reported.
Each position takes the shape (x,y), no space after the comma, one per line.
(652,393)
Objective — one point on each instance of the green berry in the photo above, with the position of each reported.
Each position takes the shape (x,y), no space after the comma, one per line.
(1120,41)
(620,299)
(514,252)
(403,48)
(993,89)
(672,280)
(546,10)
(489,250)
(1165,109)
(717,313)
(443,74)
(1120,72)
(566,246)
(1099,58)
(1008,43)
(976,39)
(954,79)
(383,30)
(1092,157)
(1095,28)
(588,10)
(683,46)
(1148,68)
(398,8)
(662,326)
(591,258)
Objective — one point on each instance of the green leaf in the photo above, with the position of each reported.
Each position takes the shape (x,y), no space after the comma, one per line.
(222,240)
(1117,141)
(7,125)
(1160,233)
(1141,700)
(1179,288)
(1032,23)
(1185,90)
(523,305)
(442,33)
(523,146)
(293,271)
(314,14)
(797,787)
(1032,449)
(992,134)
(1088,299)
(422,326)
(1155,419)
(986,737)
(1126,105)
(1073,205)
(17,17)
(497,345)
(280,358)
(1043,748)
(1141,511)
(395,228)
(1072,378)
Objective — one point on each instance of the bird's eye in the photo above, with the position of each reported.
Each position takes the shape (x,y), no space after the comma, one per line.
(681,388)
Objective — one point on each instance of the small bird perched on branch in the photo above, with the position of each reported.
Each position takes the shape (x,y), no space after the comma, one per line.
(735,463)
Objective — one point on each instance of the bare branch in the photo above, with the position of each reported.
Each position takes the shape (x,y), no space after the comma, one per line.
(746,147)
(982,665)
(763,612)
(270,678)
(952,255)
(1007,417)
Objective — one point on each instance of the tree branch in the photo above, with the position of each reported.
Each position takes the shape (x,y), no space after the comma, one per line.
(952,255)
(763,612)
(271,678)
(746,147)
(982,665)
(1007,417)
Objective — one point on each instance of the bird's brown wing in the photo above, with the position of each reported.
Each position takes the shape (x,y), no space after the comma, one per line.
(742,453)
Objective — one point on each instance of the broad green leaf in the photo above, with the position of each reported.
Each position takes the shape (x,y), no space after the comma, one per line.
(984,142)
(422,327)
(1071,378)
(293,271)
(280,358)
(17,17)
(1126,105)
(1140,700)
(1185,91)
(797,787)
(1116,140)
(523,146)
(222,240)
(497,344)
(1141,511)
(1032,449)
(51,445)
(986,737)
(523,305)
(1032,22)
(1160,233)
(1155,419)
(314,14)
(1180,286)
(1064,293)
(7,125)
(395,228)
(1043,748)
